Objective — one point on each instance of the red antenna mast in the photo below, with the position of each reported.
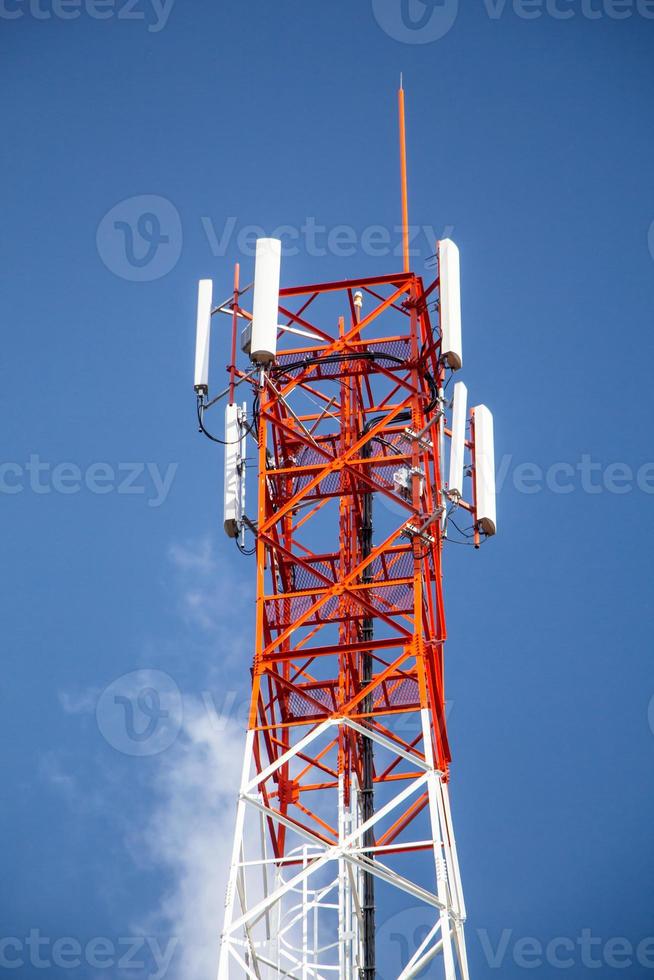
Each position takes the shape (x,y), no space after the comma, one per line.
(404,179)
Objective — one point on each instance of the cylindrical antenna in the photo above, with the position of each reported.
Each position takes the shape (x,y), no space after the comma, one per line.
(403,178)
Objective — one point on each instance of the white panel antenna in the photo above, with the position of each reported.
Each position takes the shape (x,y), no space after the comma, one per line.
(486,507)
(235,450)
(458,441)
(202,337)
(450,303)
(265,316)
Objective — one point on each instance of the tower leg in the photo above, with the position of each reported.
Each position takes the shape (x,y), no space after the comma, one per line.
(440,837)
(235,866)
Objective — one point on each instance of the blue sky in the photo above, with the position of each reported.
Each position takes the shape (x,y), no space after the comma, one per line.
(530,144)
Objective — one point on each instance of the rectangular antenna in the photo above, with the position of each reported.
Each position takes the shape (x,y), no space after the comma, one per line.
(233,503)
(450,303)
(458,441)
(265,305)
(205,299)
(485,470)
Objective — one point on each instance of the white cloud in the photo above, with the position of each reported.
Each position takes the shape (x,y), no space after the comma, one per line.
(213,591)
(190,834)
(64,777)
(52,770)
(195,556)
(79,702)
(190,789)
(191,827)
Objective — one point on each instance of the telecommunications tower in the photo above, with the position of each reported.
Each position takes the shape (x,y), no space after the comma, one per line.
(343,815)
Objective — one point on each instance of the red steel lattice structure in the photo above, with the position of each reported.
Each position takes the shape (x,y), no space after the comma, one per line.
(350,633)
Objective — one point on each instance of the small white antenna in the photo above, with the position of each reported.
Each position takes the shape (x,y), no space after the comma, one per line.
(235,452)
(458,443)
(265,305)
(486,506)
(202,337)
(450,303)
